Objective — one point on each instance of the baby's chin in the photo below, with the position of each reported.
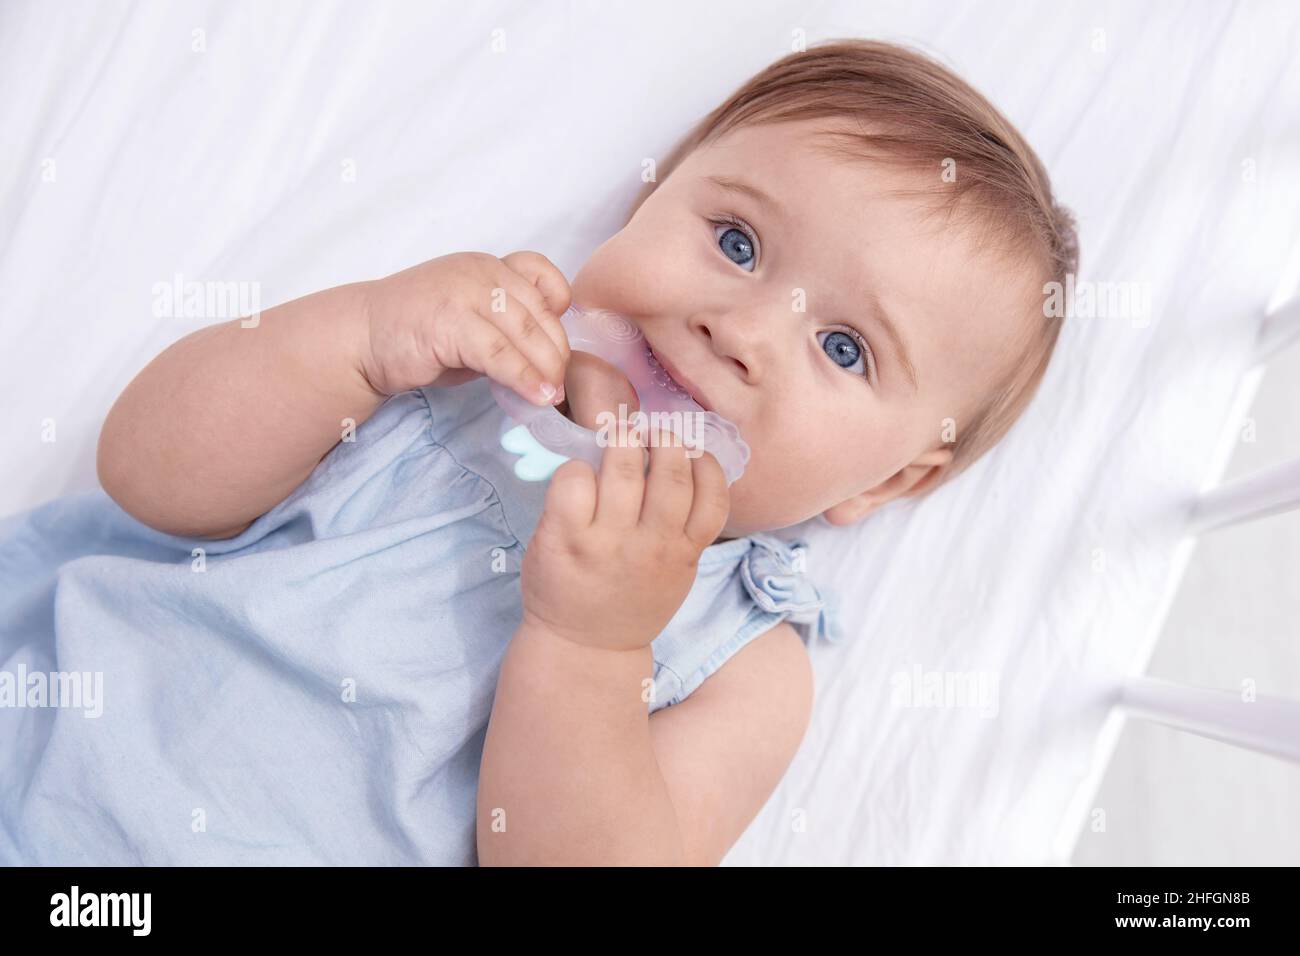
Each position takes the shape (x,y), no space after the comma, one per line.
(764,502)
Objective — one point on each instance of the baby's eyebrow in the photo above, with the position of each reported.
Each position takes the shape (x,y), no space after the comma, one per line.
(743,188)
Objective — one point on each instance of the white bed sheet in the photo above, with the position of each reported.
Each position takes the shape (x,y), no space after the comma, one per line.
(138,149)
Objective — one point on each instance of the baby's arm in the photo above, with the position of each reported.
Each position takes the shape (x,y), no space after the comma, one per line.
(225,423)
(574,769)
(724,749)
(577,773)
(568,775)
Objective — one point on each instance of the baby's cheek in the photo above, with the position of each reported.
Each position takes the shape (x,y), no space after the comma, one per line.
(643,273)
(779,487)
(761,504)
(608,279)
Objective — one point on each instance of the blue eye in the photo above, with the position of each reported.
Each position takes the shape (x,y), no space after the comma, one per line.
(736,242)
(847,349)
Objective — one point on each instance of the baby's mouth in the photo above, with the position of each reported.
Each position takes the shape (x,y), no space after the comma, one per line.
(664,379)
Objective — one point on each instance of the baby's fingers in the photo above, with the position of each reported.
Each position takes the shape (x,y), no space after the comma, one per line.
(542,274)
(712,501)
(670,486)
(571,497)
(544,291)
(510,347)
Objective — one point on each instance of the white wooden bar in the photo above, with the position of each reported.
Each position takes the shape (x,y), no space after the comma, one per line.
(1270,725)
(1270,492)
(1279,329)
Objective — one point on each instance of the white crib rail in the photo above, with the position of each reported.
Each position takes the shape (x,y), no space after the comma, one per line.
(1279,329)
(1270,492)
(1269,725)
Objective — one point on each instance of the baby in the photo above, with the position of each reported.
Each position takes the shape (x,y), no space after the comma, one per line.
(845,259)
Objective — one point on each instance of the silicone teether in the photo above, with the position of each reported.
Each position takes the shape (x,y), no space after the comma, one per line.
(616,340)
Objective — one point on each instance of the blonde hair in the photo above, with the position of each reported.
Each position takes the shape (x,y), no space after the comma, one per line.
(917,113)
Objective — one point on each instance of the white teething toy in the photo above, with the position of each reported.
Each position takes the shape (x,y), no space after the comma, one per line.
(665,404)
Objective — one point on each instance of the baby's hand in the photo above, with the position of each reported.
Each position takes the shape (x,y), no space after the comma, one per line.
(615,554)
(454,318)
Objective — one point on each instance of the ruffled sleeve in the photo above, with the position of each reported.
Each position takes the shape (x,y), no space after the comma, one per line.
(774,574)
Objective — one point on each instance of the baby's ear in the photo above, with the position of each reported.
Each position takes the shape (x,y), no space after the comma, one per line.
(852,509)
(925,471)
(910,480)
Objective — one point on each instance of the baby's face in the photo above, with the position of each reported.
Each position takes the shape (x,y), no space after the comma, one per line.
(776,320)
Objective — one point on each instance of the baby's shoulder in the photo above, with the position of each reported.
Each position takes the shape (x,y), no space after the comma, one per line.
(774,667)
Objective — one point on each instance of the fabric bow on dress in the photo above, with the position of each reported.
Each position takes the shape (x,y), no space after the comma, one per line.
(774,574)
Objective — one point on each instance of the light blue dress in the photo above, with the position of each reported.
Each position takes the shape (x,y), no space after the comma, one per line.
(317,689)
